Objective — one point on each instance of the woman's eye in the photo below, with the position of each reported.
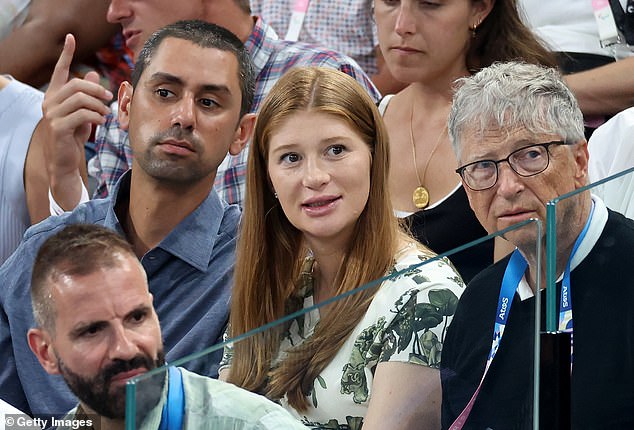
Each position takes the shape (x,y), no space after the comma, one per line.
(291,157)
(336,150)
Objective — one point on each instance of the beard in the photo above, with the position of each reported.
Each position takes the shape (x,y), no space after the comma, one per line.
(96,392)
(173,168)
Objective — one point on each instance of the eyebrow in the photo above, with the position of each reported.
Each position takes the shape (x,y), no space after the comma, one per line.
(84,325)
(172,79)
(514,146)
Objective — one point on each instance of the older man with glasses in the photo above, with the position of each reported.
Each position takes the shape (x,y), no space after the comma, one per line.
(518,135)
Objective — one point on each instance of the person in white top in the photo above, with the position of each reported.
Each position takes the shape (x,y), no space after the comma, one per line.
(611,150)
(601,85)
(20,114)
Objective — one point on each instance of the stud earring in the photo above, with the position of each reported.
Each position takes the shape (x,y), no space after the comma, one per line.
(474,28)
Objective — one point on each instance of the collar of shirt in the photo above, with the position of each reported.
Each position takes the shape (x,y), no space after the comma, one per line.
(597,224)
(193,239)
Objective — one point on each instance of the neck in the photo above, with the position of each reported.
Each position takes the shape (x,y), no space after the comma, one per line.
(327,266)
(440,85)
(429,98)
(566,239)
(235,19)
(155,209)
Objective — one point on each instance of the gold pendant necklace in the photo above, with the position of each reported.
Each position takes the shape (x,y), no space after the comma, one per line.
(420,197)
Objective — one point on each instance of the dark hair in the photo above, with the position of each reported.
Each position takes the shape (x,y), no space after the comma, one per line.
(502,36)
(206,35)
(79,249)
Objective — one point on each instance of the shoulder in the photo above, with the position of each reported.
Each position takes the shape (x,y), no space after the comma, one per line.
(488,280)
(384,102)
(417,278)
(610,146)
(228,403)
(291,54)
(91,212)
(230,218)
(414,265)
(616,242)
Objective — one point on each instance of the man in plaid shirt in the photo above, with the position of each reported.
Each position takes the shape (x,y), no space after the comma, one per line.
(272,58)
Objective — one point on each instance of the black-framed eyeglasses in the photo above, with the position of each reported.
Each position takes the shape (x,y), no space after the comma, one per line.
(527,161)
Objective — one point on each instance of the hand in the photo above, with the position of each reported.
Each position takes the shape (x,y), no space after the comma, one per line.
(70,109)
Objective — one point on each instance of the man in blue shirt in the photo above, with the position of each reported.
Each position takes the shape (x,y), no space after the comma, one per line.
(187,106)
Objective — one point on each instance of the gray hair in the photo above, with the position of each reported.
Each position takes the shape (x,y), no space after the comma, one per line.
(514,94)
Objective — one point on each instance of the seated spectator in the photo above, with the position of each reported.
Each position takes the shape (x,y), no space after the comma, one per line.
(517,131)
(429,47)
(317,223)
(98,338)
(611,151)
(20,114)
(29,49)
(345,26)
(600,76)
(187,106)
(271,57)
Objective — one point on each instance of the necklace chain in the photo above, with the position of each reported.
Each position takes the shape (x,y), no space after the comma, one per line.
(420,197)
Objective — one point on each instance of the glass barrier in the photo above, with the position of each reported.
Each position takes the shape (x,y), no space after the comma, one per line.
(596,390)
(407,320)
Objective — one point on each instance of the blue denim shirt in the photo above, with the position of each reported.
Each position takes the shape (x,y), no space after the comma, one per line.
(189,273)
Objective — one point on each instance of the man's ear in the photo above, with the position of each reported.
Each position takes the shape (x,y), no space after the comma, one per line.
(124,100)
(243,133)
(40,343)
(582,156)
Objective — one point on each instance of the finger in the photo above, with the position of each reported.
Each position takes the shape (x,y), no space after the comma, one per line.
(69,125)
(75,91)
(93,77)
(62,68)
(75,103)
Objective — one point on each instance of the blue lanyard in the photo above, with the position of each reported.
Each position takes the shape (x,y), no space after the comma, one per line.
(565,300)
(174,407)
(512,276)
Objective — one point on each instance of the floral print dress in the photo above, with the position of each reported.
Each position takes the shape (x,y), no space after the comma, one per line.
(405,322)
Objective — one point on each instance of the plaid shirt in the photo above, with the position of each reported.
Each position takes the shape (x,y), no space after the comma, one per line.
(344,25)
(272,57)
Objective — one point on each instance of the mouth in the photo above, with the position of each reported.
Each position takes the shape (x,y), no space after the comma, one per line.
(405,50)
(122,378)
(320,206)
(516,215)
(177,147)
(131,37)
(320,201)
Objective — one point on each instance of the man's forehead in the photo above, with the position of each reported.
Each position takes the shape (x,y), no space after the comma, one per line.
(494,139)
(180,57)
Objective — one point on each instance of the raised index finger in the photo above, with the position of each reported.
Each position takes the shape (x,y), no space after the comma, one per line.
(62,68)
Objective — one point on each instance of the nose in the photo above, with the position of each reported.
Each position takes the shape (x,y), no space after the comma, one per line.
(184,113)
(123,346)
(118,11)
(315,175)
(405,23)
(509,183)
